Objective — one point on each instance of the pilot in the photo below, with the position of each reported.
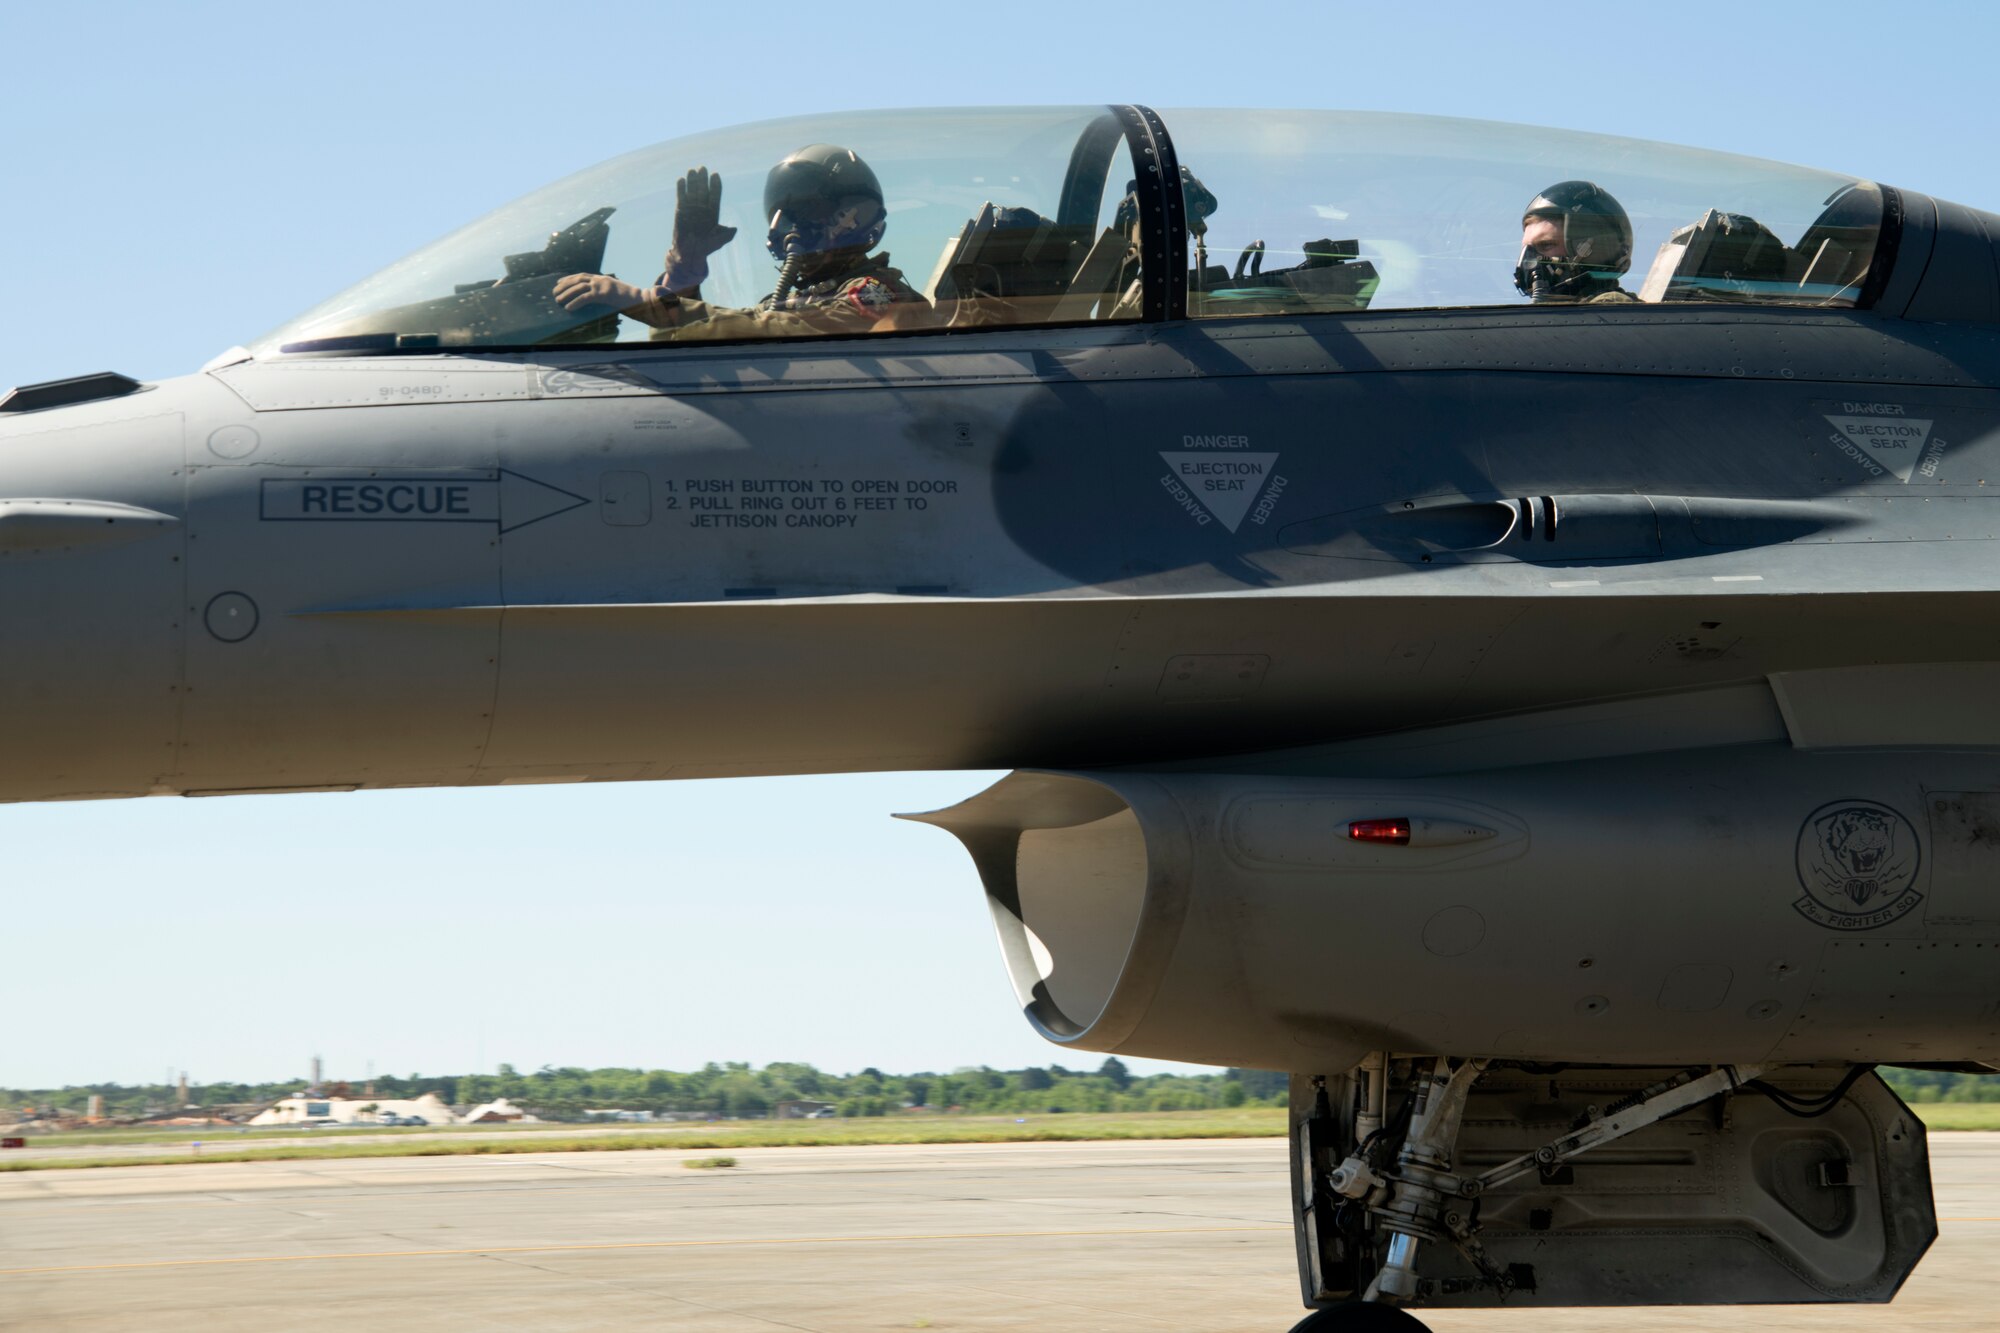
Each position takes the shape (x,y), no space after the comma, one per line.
(1576,242)
(827,213)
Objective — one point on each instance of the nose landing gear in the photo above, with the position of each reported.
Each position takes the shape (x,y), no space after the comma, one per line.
(1405,1183)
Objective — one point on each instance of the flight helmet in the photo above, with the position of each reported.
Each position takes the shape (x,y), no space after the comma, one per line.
(825,207)
(1597,240)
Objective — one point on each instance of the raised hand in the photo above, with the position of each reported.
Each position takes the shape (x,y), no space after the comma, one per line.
(698,229)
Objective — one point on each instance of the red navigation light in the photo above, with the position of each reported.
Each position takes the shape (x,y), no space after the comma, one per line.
(1395,832)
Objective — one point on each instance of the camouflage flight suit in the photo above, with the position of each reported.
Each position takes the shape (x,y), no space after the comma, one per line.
(1610,296)
(857,301)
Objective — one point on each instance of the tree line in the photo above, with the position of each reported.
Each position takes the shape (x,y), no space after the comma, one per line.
(739,1091)
(730,1091)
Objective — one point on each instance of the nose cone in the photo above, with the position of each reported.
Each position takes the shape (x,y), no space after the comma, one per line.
(91,534)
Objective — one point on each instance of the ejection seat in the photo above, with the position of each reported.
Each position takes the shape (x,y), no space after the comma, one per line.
(1723,257)
(1014,266)
(1732,257)
(1838,248)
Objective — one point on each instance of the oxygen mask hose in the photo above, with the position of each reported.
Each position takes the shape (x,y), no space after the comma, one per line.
(788,278)
(788,272)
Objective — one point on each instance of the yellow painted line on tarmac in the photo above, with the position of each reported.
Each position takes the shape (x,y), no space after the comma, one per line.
(634,1245)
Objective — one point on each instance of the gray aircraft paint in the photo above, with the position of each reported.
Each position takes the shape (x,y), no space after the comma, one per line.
(921,530)
(1688,609)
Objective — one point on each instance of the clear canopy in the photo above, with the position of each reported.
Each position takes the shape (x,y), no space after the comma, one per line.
(988,217)
(879,222)
(1349,210)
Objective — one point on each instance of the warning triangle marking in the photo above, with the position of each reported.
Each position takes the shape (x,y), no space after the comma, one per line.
(1225,481)
(1893,443)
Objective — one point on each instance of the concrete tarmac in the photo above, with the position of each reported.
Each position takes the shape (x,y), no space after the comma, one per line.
(1056,1237)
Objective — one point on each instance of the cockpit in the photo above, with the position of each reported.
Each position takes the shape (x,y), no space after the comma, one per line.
(965,219)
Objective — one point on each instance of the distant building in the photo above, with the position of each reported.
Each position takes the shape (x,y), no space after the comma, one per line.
(614,1113)
(497,1111)
(310,1110)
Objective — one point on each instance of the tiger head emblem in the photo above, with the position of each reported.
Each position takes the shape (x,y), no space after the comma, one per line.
(1858,862)
(1860,841)
(1859,852)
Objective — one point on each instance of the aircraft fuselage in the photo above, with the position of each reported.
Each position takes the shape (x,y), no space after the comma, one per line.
(1085,548)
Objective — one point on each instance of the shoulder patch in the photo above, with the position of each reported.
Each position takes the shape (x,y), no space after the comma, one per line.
(868,296)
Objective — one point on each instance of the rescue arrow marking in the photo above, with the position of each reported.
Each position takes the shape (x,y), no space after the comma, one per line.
(507,500)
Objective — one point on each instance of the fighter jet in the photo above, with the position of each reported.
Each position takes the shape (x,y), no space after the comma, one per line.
(1496,622)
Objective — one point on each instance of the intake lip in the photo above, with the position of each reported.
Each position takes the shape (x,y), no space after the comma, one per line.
(1074,876)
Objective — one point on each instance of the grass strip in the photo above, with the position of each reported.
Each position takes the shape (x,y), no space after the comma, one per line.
(1958,1115)
(1249,1122)
(1259,1122)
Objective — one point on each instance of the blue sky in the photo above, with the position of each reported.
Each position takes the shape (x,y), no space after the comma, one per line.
(174,180)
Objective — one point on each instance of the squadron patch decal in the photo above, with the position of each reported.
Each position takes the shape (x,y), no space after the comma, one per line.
(1858,863)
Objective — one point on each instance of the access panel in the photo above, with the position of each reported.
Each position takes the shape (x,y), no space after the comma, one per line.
(344,625)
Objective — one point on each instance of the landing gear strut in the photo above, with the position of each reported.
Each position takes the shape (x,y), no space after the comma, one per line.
(1396,1184)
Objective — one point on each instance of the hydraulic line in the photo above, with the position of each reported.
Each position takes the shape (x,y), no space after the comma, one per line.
(1807,1107)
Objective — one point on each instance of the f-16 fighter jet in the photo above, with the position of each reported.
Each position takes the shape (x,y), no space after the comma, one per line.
(1497,622)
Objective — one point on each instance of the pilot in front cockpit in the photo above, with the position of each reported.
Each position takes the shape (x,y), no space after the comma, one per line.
(827,212)
(1576,242)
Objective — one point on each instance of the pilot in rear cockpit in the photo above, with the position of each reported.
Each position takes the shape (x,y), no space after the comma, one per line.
(827,212)
(1576,242)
